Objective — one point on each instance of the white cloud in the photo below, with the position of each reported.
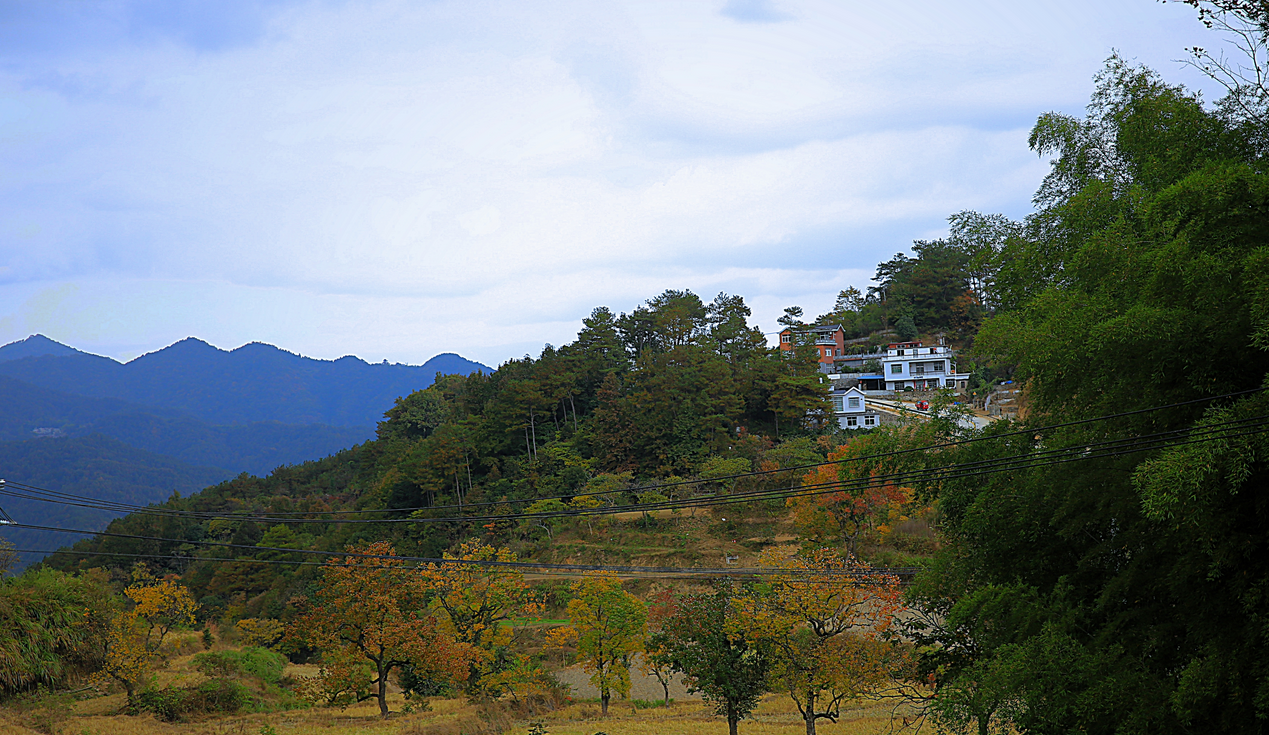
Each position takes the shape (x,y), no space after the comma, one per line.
(397,179)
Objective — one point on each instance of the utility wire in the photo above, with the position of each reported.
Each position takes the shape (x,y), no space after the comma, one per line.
(996,465)
(126,507)
(535,567)
(657,570)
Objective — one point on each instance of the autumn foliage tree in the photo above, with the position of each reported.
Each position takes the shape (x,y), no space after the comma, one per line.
(607,625)
(132,643)
(472,597)
(847,512)
(824,616)
(370,615)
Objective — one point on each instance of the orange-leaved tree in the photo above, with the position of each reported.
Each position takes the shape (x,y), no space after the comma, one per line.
(473,595)
(824,617)
(134,637)
(846,508)
(370,615)
(607,626)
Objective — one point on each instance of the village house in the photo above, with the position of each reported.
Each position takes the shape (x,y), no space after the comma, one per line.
(913,365)
(829,341)
(850,406)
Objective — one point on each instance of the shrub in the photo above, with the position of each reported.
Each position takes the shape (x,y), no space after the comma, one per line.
(253,662)
(174,704)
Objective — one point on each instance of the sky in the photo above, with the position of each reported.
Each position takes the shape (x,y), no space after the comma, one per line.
(396,179)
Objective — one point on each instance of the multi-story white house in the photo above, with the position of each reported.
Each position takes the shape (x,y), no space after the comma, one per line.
(913,365)
(850,406)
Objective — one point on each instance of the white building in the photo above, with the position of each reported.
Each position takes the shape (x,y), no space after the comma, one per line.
(913,365)
(850,406)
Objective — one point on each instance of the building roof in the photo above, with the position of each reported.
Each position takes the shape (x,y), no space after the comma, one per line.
(812,328)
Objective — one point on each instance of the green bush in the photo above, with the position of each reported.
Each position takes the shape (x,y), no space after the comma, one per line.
(252,662)
(173,704)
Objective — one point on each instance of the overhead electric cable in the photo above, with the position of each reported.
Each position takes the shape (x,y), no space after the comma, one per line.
(125,507)
(916,476)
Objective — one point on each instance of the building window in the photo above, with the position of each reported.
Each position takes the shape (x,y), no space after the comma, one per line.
(854,401)
(837,403)
(852,422)
(786,338)
(896,368)
(938,366)
(900,352)
(870,421)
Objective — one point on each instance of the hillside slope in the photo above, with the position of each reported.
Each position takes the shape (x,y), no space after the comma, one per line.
(28,411)
(96,466)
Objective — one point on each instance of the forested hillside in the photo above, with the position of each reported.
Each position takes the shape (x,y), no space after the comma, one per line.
(1099,566)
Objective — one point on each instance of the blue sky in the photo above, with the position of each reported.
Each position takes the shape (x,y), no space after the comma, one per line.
(397,179)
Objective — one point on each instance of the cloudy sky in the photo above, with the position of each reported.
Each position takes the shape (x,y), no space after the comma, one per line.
(396,179)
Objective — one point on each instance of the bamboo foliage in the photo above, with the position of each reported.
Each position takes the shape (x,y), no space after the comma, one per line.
(52,627)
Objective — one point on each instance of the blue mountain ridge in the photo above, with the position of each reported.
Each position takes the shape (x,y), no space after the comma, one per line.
(178,419)
(255,382)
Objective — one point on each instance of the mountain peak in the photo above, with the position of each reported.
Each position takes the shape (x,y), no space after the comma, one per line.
(37,345)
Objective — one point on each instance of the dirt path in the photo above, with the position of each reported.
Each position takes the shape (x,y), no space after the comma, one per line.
(641,687)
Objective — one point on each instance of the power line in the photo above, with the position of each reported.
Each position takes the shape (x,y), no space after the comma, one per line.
(534,565)
(279,515)
(993,465)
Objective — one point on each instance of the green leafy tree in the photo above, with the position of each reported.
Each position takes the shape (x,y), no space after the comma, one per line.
(905,329)
(1111,594)
(697,637)
(607,626)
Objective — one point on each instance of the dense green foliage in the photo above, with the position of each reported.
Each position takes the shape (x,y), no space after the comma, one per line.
(677,388)
(52,627)
(1123,593)
(694,638)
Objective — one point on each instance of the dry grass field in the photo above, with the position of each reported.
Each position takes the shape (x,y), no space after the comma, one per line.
(776,716)
(98,715)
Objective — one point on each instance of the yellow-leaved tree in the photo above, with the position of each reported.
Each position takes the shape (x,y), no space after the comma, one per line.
(824,617)
(607,625)
(134,637)
(370,616)
(472,596)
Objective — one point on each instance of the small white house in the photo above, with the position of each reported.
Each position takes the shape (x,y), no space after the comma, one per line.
(851,408)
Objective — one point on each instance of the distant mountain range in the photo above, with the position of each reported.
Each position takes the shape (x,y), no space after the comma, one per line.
(179,419)
(256,382)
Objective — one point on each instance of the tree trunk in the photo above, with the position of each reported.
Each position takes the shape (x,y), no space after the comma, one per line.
(574,406)
(732,723)
(809,713)
(383,690)
(666,686)
(603,703)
